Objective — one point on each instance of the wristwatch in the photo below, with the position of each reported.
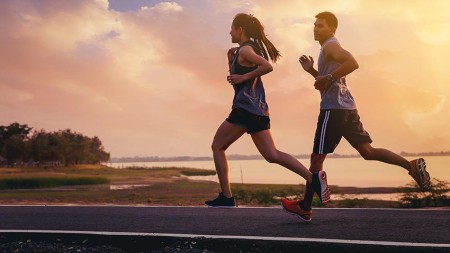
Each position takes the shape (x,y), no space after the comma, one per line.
(329,77)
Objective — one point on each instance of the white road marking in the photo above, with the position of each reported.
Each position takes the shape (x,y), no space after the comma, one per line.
(239,207)
(264,238)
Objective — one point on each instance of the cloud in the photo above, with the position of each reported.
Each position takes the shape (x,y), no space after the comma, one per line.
(165,7)
(152,81)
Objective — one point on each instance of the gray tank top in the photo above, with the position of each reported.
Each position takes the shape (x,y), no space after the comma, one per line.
(336,94)
(249,95)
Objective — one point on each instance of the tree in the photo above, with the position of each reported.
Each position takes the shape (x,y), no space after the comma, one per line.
(46,148)
(14,146)
(64,146)
(15,150)
(97,151)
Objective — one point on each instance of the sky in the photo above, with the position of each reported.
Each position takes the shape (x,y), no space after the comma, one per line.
(149,77)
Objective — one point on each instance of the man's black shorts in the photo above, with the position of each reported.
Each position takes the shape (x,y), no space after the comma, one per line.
(253,123)
(335,124)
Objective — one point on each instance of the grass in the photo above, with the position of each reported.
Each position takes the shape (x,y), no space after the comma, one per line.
(113,175)
(266,195)
(198,172)
(363,203)
(163,186)
(48,182)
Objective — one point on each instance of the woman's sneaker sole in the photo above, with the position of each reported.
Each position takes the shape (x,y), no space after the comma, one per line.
(220,206)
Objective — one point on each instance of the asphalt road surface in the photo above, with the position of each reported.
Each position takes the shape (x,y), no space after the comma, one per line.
(427,230)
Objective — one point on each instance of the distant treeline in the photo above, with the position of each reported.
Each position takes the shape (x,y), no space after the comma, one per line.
(248,157)
(204,158)
(158,159)
(441,153)
(19,145)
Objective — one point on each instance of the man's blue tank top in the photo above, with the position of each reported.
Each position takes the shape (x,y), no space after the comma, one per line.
(249,95)
(336,94)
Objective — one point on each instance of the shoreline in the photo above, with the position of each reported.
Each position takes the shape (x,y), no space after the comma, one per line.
(352,172)
(144,196)
(166,187)
(236,157)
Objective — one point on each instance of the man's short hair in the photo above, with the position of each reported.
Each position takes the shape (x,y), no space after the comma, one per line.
(329,17)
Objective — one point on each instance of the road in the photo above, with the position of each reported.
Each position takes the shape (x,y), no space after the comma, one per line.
(420,228)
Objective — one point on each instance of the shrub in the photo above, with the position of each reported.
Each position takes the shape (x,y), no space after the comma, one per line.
(47,182)
(438,195)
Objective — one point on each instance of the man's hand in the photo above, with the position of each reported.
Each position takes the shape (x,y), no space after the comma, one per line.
(307,63)
(321,83)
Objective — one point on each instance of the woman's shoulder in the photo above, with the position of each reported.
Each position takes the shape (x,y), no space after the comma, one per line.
(250,44)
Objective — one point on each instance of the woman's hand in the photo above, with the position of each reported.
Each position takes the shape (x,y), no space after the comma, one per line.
(236,79)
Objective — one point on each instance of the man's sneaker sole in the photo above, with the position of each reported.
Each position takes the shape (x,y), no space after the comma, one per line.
(420,168)
(324,190)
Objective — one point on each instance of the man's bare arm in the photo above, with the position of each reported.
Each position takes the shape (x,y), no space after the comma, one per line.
(347,61)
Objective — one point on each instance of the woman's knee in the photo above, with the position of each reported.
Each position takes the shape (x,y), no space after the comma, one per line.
(215,146)
(272,157)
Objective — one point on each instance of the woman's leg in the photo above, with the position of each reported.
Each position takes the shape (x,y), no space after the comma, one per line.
(226,134)
(264,142)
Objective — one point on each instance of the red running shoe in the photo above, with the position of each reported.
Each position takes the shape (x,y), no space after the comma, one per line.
(293,207)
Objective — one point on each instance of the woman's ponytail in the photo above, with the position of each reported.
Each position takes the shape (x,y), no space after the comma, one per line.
(254,29)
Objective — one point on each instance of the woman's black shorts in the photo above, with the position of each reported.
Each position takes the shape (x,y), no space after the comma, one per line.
(252,122)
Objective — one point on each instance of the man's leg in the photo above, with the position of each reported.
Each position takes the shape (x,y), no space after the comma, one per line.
(383,155)
(316,166)
(415,168)
(317,185)
(327,137)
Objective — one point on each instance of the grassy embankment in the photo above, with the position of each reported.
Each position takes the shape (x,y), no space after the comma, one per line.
(93,184)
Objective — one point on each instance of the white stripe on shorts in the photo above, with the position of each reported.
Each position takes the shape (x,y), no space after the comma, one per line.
(324,129)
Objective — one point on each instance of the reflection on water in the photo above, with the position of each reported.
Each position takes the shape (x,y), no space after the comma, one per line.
(355,172)
(375,196)
(126,186)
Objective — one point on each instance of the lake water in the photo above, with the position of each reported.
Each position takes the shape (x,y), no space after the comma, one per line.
(341,171)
